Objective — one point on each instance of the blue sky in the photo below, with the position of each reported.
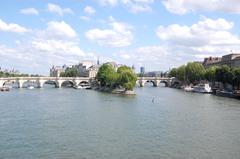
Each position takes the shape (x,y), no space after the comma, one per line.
(156,34)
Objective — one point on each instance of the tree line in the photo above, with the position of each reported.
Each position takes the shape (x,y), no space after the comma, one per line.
(7,74)
(195,72)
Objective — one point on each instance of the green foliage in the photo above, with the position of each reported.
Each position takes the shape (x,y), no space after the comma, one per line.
(70,72)
(124,77)
(7,74)
(181,73)
(106,74)
(236,78)
(224,74)
(194,72)
(127,78)
(210,74)
(173,73)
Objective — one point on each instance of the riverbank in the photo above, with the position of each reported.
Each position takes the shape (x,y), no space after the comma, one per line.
(210,90)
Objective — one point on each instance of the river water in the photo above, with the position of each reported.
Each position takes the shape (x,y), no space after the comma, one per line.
(51,123)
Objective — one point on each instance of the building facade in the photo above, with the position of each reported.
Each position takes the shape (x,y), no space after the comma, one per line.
(231,60)
(142,70)
(56,71)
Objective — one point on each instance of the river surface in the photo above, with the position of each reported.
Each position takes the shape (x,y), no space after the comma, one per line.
(157,123)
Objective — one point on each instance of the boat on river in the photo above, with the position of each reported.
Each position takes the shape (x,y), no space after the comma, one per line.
(237,93)
(82,87)
(188,89)
(225,93)
(202,88)
(30,87)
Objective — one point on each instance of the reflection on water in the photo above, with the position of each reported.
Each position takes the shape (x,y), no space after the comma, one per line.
(66,123)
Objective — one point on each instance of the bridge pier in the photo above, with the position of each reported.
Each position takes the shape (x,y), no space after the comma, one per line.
(20,83)
(1,83)
(40,83)
(142,83)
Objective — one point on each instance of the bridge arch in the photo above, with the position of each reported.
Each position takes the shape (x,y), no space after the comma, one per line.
(165,82)
(83,83)
(143,83)
(11,82)
(49,82)
(27,83)
(67,83)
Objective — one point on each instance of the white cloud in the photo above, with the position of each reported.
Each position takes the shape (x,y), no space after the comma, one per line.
(57,44)
(11,27)
(119,35)
(53,8)
(108,2)
(206,37)
(134,6)
(85,18)
(205,32)
(29,11)
(185,6)
(89,10)
(58,30)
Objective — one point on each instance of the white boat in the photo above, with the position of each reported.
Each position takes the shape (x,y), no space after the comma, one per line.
(188,89)
(82,87)
(78,87)
(30,87)
(202,88)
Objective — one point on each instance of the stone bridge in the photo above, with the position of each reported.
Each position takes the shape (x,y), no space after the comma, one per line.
(154,80)
(75,81)
(40,81)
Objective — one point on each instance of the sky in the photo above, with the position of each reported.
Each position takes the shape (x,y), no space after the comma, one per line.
(155,34)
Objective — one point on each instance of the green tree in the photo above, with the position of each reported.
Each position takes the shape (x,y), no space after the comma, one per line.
(225,74)
(124,77)
(106,75)
(210,74)
(194,72)
(173,72)
(181,73)
(127,78)
(236,78)
(70,72)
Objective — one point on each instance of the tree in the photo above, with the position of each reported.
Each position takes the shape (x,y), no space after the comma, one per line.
(181,71)
(224,74)
(124,77)
(106,75)
(70,72)
(210,74)
(127,78)
(173,73)
(194,72)
(236,78)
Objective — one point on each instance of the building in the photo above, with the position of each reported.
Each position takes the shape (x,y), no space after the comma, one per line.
(211,61)
(55,71)
(231,60)
(92,71)
(142,70)
(87,69)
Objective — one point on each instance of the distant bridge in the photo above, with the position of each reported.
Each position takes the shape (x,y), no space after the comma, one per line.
(154,80)
(75,81)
